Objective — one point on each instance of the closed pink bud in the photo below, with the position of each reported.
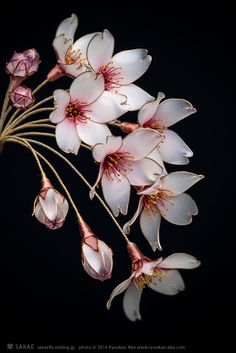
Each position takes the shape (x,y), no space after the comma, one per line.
(96,255)
(50,207)
(21,97)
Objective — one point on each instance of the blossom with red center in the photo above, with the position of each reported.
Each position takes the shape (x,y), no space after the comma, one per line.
(121,70)
(165,198)
(50,207)
(160,116)
(124,163)
(160,275)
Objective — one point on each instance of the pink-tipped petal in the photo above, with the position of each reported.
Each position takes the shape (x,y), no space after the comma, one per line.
(131,302)
(119,289)
(92,133)
(179,182)
(68,27)
(147,112)
(62,99)
(171,284)
(136,97)
(132,64)
(67,137)
(150,225)
(112,145)
(180,260)
(143,172)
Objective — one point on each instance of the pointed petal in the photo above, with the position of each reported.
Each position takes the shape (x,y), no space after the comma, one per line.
(100,49)
(68,27)
(141,142)
(147,112)
(61,46)
(132,64)
(150,225)
(179,209)
(126,227)
(173,110)
(94,258)
(101,150)
(180,260)
(49,205)
(173,149)
(169,285)
(81,45)
(109,106)
(67,137)
(62,99)
(143,172)
(131,302)
(179,182)
(87,87)
(92,133)
(156,156)
(62,210)
(116,193)
(136,97)
(119,289)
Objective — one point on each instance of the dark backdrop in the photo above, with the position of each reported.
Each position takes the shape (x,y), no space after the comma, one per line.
(47,298)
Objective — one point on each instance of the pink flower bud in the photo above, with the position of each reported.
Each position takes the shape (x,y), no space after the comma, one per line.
(96,255)
(21,97)
(50,207)
(23,65)
(128,127)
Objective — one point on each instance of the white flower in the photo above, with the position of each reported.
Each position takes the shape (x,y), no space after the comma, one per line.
(121,70)
(124,163)
(165,198)
(160,275)
(77,110)
(160,116)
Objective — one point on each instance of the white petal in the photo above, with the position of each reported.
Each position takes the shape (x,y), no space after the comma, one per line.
(156,156)
(100,49)
(173,149)
(180,260)
(61,46)
(136,97)
(81,45)
(62,99)
(116,193)
(173,110)
(87,87)
(150,225)
(143,172)
(179,209)
(147,112)
(141,142)
(94,258)
(179,182)
(126,227)
(152,190)
(68,27)
(131,302)
(148,267)
(169,285)
(73,70)
(67,137)
(62,210)
(109,106)
(119,289)
(132,64)
(112,145)
(92,133)
(39,214)
(49,205)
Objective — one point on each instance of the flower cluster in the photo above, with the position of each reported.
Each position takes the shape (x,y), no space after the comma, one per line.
(87,115)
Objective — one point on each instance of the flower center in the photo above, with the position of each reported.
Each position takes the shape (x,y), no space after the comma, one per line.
(76,113)
(74,56)
(144,280)
(153,202)
(112,76)
(116,164)
(156,125)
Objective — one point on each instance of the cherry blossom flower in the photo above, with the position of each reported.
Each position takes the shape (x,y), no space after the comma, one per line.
(50,207)
(165,198)
(80,113)
(71,56)
(121,70)
(96,255)
(124,163)
(21,97)
(160,275)
(160,116)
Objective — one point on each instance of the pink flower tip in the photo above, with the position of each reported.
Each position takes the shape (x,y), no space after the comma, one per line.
(21,97)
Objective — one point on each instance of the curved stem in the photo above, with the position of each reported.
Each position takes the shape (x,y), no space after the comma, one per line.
(40,86)
(29,125)
(4,111)
(84,180)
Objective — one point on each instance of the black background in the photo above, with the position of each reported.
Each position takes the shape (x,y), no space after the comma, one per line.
(47,298)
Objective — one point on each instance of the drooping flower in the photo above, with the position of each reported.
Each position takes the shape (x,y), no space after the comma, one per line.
(165,198)
(23,65)
(50,207)
(80,113)
(124,163)
(21,97)
(160,275)
(96,255)
(121,70)
(71,56)
(160,116)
